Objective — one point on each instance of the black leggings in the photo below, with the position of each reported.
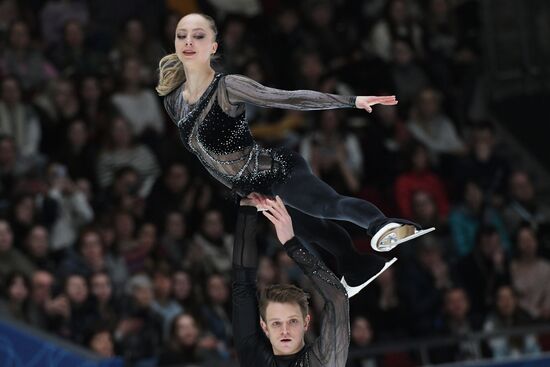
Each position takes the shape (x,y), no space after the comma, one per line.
(313,204)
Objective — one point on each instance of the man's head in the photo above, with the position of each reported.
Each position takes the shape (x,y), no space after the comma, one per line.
(284,317)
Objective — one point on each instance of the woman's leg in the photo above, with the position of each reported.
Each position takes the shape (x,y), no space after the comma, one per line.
(304,191)
(355,267)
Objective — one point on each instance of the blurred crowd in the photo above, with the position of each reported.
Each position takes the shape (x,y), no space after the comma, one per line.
(114,237)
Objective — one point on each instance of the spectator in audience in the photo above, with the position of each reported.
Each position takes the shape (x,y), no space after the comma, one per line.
(398,22)
(22,60)
(119,150)
(382,143)
(23,215)
(135,42)
(173,191)
(216,310)
(409,78)
(211,248)
(138,335)
(72,57)
(440,41)
(424,211)
(424,283)
(106,302)
(77,152)
(100,340)
(96,107)
(42,283)
(73,209)
(483,270)
(186,293)
(174,243)
(11,259)
(361,338)
(15,301)
(420,177)
(457,321)
(80,316)
(429,125)
(484,164)
(525,205)
(471,214)
(334,155)
(122,192)
(139,254)
(18,119)
(188,345)
(92,257)
(138,104)
(164,304)
(55,14)
(37,247)
(61,106)
(530,274)
(507,314)
(384,302)
(12,168)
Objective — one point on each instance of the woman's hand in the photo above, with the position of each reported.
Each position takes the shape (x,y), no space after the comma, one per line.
(366,102)
(280,218)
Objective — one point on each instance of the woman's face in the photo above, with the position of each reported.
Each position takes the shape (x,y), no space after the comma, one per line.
(121,133)
(102,288)
(38,241)
(527,243)
(90,90)
(19,36)
(195,41)
(187,331)
(175,225)
(182,285)
(77,133)
(77,289)
(24,211)
(18,290)
(361,332)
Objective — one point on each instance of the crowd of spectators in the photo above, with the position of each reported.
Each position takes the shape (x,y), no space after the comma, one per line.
(113,236)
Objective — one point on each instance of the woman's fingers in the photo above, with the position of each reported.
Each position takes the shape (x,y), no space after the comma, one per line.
(269,216)
(281,205)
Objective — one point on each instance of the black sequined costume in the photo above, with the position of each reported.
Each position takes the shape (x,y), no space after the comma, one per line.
(330,349)
(216,131)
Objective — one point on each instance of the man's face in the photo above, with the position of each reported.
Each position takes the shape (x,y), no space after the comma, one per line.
(285,327)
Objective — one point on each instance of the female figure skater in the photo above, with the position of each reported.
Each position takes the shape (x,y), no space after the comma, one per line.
(209,110)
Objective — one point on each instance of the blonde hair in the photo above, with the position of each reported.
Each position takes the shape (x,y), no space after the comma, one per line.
(171,71)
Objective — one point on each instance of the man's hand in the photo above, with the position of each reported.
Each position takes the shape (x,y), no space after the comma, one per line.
(366,102)
(280,218)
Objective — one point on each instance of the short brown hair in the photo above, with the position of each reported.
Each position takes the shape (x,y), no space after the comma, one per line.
(283,293)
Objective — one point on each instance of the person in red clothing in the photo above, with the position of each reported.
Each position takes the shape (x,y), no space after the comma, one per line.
(420,177)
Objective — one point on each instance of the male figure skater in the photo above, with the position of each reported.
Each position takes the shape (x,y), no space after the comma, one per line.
(271,332)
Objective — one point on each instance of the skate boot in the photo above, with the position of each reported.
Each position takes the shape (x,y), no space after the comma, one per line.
(393,234)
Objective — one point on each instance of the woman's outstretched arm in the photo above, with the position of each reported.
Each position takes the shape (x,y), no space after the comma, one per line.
(241,89)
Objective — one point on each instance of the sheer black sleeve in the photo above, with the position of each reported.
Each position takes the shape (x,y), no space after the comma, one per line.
(249,338)
(241,89)
(331,347)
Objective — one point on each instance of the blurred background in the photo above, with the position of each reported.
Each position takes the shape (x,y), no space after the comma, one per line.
(115,244)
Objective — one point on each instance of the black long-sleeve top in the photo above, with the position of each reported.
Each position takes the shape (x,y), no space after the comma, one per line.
(215,129)
(330,349)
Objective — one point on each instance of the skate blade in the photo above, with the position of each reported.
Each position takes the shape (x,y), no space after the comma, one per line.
(352,291)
